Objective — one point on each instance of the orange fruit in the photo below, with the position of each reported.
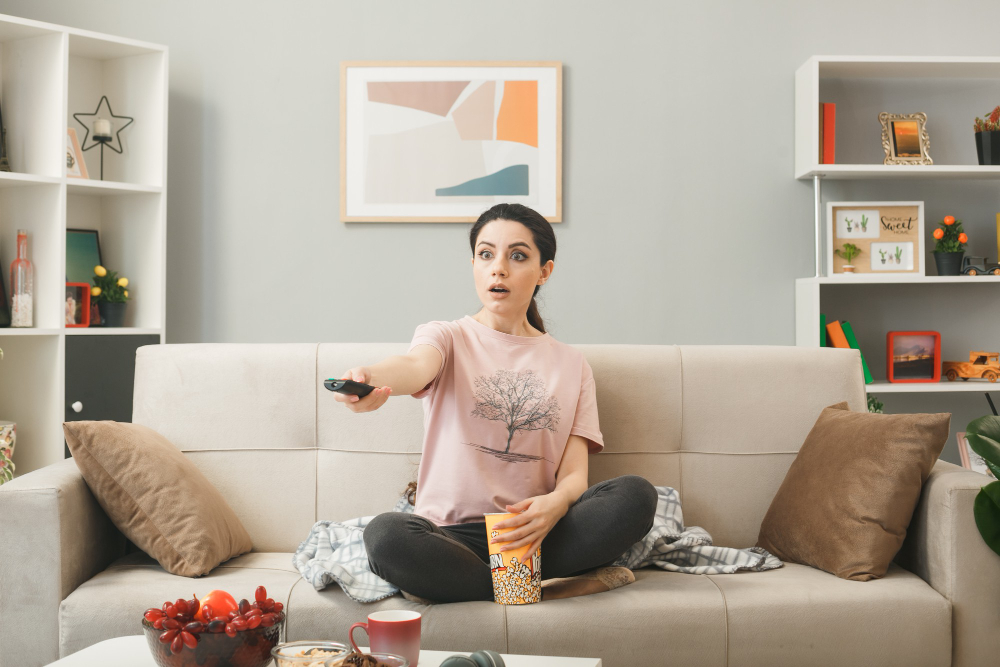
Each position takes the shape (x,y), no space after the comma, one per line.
(949,220)
(938,233)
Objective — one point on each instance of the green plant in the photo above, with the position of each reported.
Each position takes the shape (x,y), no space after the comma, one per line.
(984,438)
(864,222)
(874,405)
(849,252)
(949,235)
(108,287)
(991,123)
(899,253)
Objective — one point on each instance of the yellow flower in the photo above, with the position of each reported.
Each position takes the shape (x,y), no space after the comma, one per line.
(100,271)
(126,294)
(123,282)
(95,291)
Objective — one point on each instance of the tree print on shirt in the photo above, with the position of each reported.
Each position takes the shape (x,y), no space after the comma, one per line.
(519,401)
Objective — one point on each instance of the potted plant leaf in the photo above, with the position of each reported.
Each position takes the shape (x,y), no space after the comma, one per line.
(983,435)
(988,137)
(111,296)
(950,246)
(848,252)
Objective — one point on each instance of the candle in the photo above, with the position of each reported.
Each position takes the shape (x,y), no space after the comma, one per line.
(102,128)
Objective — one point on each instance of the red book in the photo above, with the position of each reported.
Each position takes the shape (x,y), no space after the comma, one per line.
(829,133)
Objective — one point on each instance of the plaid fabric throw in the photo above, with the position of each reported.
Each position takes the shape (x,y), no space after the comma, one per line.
(335,551)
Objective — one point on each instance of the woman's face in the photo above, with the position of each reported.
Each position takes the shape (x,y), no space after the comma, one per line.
(506,254)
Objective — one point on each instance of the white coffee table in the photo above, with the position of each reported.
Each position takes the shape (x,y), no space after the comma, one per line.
(133,651)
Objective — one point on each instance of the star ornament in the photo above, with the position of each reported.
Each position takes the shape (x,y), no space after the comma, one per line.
(97,114)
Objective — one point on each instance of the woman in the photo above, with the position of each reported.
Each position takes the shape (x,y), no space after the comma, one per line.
(510,416)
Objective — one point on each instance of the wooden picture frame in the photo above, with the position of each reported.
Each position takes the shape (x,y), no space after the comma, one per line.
(969,458)
(905,139)
(76,166)
(443,141)
(892,229)
(77,312)
(913,356)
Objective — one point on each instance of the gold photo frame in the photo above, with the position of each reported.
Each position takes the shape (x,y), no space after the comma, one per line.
(905,139)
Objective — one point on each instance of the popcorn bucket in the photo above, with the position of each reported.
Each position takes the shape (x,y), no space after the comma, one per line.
(514,581)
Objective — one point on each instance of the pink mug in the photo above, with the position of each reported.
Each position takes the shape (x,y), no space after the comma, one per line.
(396,631)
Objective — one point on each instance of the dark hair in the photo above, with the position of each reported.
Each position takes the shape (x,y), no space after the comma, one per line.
(541,233)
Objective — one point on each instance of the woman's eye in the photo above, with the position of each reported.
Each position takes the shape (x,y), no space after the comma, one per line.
(484,253)
(523,256)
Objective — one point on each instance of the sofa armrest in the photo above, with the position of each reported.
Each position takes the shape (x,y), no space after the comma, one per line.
(944,548)
(54,537)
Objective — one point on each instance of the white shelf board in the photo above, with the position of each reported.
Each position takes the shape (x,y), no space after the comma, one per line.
(112,331)
(901,171)
(944,386)
(85,186)
(874,278)
(857,67)
(28,331)
(10,179)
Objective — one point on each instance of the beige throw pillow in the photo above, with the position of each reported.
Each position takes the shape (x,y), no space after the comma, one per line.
(849,495)
(156,497)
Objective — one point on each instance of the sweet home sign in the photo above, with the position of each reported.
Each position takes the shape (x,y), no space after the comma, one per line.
(888,234)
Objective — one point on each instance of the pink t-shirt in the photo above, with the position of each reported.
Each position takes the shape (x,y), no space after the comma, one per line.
(497,418)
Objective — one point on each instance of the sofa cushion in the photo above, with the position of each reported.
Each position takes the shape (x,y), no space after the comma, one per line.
(798,615)
(155,496)
(849,495)
(111,603)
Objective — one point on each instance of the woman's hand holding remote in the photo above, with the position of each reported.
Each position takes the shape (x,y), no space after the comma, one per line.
(373,401)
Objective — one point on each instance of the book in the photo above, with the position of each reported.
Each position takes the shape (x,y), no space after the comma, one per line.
(835,335)
(853,342)
(828,132)
(822,330)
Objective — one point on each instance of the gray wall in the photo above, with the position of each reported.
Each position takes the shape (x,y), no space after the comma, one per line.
(683,222)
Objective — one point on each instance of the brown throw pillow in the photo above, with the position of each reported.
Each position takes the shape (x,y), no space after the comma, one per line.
(849,495)
(156,497)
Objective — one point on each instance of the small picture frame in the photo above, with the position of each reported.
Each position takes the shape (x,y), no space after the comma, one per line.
(77,311)
(76,167)
(889,235)
(969,458)
(913,356)
(905,139)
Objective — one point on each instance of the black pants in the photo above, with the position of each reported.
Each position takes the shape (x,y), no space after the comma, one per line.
(451,563)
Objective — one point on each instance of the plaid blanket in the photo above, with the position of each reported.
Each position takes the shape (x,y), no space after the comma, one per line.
(335,551)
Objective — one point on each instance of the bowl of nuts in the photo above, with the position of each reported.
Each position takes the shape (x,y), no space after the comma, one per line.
(216,631)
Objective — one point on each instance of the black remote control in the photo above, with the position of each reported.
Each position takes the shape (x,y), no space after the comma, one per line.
(359,389)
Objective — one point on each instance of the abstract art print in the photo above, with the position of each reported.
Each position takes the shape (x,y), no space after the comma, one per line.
(444,141)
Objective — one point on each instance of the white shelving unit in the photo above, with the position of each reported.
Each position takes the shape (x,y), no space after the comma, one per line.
(47,73)
(810,293)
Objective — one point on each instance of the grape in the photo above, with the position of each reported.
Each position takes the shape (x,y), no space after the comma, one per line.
(181,606)
(194,627)
(278,606)
(171,623)
(158,623)
(170,611)
(260,594)
(168,636)
(177,644)
(240,623)
(189,640)
(217,626)
(244,606)
(253,622)
(230,630)
(153,614)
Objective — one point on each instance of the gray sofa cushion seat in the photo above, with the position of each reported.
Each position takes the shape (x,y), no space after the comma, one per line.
(794,615)
(799,615)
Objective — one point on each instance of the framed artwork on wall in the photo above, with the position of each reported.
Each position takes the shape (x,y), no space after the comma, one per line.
(913,356)
(887,237)
(442,141)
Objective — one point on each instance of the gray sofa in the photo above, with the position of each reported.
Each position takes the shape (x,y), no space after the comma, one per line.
(721,424)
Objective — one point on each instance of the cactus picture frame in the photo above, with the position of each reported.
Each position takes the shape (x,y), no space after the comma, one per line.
(889,235)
